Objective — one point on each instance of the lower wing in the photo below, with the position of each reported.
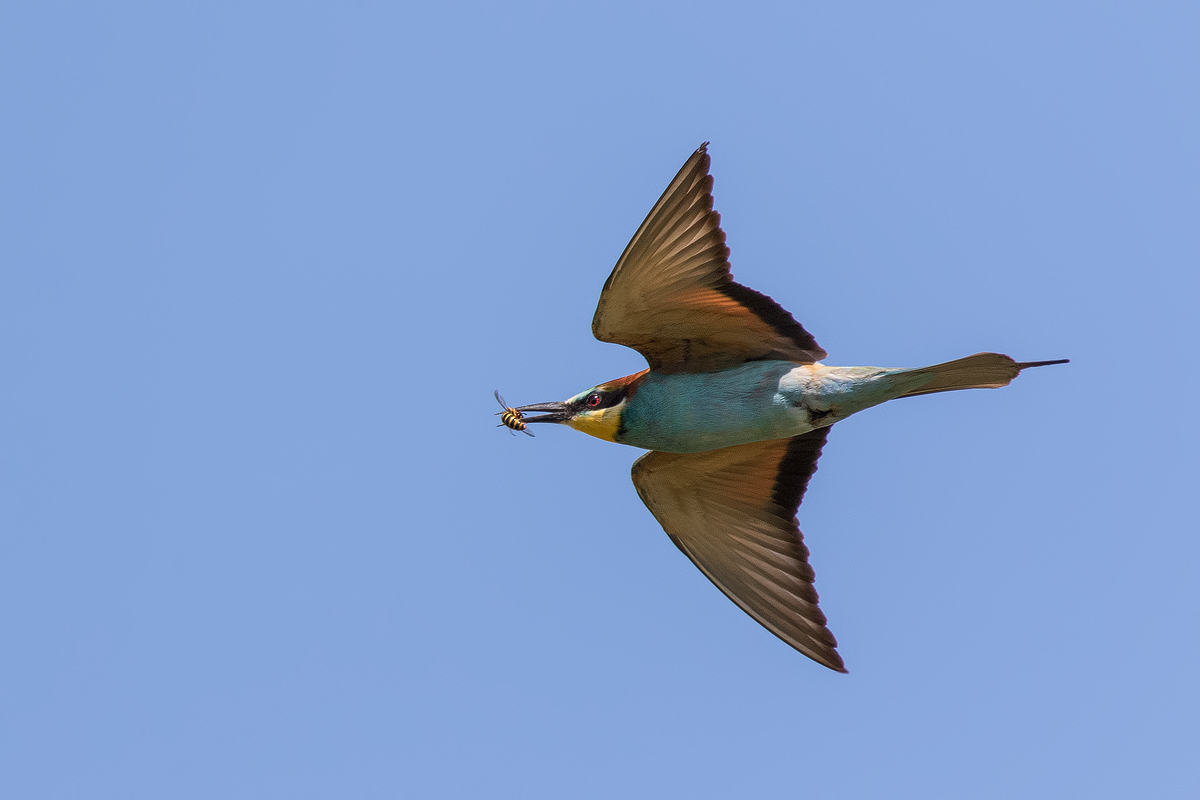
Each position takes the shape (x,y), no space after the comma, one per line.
(733,513)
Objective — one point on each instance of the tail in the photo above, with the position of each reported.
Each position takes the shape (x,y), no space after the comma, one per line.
(980,371)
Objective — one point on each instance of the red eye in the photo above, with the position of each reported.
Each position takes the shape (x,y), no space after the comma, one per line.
(593,400)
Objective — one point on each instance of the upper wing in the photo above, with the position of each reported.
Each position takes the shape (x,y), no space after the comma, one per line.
(672,298)
(732,512)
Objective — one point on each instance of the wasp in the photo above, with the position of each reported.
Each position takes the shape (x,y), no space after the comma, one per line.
(510,417)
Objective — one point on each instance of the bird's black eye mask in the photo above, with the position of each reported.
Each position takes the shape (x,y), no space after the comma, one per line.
(599,400)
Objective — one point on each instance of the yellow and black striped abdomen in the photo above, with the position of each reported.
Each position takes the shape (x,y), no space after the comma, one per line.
(510,417)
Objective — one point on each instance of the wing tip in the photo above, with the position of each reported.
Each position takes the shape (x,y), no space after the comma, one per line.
(826,657)
(831,659)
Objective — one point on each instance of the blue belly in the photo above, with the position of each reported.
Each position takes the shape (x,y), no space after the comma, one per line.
(693,412)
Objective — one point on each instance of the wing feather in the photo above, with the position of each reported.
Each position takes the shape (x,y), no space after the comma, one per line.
(672,297)
(732,512)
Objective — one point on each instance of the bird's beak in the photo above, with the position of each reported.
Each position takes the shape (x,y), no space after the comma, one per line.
(556,412)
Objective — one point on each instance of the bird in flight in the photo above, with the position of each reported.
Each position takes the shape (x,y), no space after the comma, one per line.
(735,408)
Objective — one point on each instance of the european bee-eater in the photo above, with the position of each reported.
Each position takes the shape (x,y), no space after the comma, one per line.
(735,408)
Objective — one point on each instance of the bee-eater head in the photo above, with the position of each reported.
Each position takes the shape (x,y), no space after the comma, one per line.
(596,411)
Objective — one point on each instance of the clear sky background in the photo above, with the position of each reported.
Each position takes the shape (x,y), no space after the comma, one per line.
(263,265)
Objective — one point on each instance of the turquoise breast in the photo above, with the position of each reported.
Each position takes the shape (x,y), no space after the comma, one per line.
(693,412)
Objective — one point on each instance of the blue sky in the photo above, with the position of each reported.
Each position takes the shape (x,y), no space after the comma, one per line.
(265,263)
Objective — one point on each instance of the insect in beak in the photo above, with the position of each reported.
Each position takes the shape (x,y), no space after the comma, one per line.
(511,418)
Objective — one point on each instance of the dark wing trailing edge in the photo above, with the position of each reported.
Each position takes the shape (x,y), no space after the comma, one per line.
(733,513)
(672,297)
